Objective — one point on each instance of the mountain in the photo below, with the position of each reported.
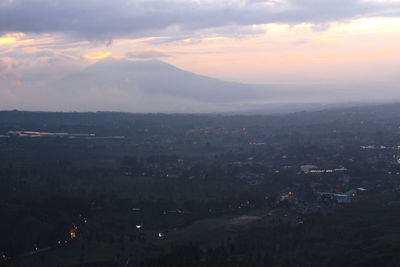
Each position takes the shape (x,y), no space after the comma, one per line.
(156,77)
(155,86)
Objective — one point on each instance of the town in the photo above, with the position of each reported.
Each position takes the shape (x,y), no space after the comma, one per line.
(135,186)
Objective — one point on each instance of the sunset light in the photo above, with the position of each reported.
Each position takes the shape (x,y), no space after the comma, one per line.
(98,55)
(199,133)
(288,43)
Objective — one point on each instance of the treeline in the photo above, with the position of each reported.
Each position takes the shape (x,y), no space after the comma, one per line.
(362,234)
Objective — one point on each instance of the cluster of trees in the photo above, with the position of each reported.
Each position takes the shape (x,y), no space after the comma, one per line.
(362,234)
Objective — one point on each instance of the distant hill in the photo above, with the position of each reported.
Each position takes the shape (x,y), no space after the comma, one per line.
(155,86)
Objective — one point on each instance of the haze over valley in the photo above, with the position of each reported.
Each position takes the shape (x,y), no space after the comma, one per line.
(149,86)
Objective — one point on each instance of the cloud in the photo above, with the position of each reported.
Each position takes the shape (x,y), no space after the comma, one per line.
(321,27)
(301,42)
(106,20)
(99,55)
(7,40)
(17,54)
(3,66)
(146,54)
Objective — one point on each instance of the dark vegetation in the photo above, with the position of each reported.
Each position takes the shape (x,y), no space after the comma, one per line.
(362,234)
(199,190)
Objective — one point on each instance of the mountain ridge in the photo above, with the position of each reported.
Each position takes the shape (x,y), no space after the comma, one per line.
(156,86)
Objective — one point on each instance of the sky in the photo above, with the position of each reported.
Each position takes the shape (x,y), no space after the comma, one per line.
(347,43)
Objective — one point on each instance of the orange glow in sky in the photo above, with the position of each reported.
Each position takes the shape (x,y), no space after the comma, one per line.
(348,51)
(98,56)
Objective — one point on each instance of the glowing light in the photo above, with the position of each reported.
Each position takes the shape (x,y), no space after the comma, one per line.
(12,38)
(98,55)
(369,25)
(8,40)
(72,234)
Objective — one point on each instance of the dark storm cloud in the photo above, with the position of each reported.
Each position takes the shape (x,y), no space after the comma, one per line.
(105,19)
